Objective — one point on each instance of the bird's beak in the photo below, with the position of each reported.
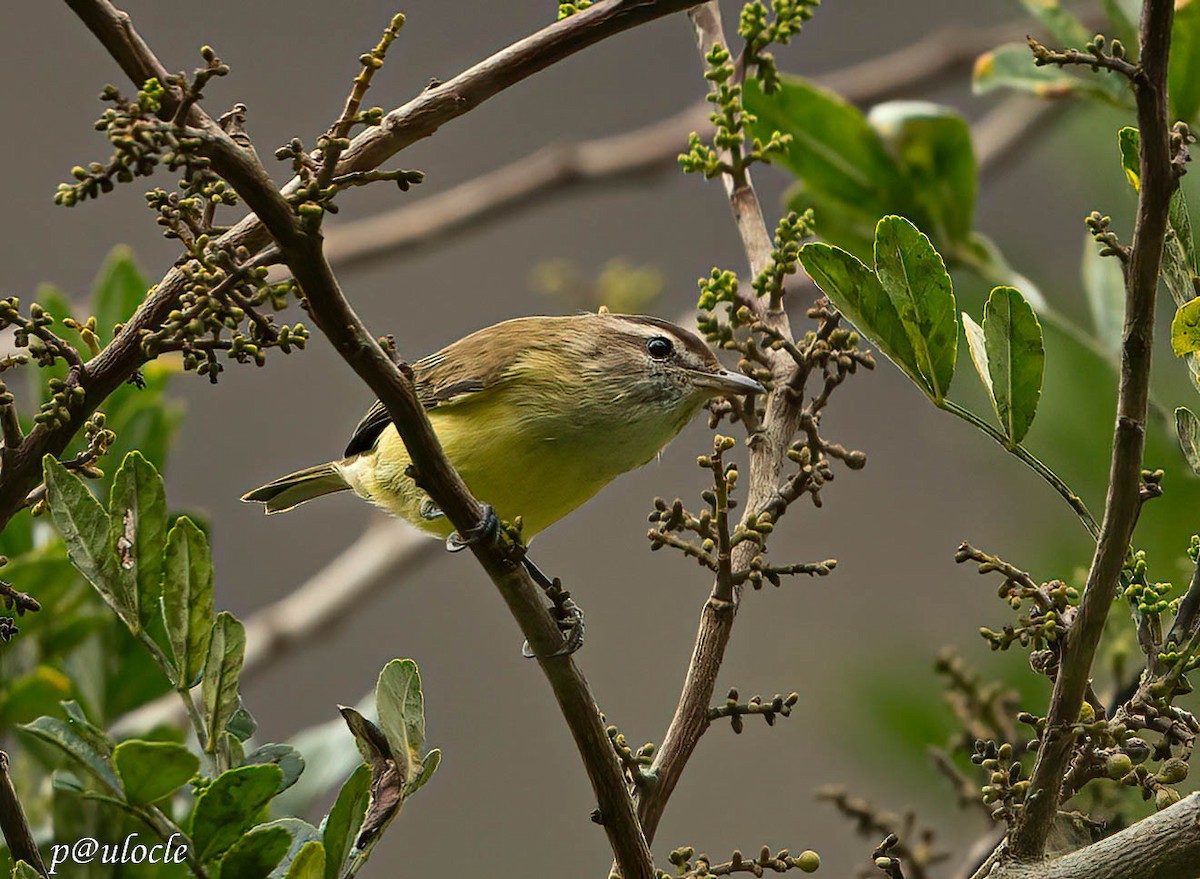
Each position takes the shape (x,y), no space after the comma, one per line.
(725,381)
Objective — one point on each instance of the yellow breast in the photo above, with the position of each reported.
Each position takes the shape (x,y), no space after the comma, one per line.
(516,456)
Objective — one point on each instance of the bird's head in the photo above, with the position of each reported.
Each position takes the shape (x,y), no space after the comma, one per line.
(638,361)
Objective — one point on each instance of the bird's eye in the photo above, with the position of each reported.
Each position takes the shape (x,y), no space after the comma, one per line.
(659,347)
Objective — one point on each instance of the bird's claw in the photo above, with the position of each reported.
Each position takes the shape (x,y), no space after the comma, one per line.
(570,623)
(487,529)
(566,613)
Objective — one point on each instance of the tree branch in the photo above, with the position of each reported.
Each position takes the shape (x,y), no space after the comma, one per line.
(14,824)
(768,452)
(655,148)
(1165,845)
(1123,502)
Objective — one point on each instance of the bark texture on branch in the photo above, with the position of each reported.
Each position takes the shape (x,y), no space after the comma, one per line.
(14,824)
(1164,846)
(1123,503)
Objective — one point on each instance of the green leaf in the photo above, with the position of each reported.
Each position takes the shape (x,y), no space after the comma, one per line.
(1179,269)
(1016,359)
(187,594)
(431,761)
(1183,83)
(137,512)
(230,805)
(857,293)
(22,870)
(933,144)
(1129,143)
(118,290)
(977,345)
(302,833)
(80,745)
(150,771)
(1187,428)
(344,820)
(1181,225)
(226,651)
(401,707)
(914,277)
(1185,329)
(309,863)
(842,160)
(1180,264)
(1104,285)
(257,853)
(287,758)
(85,527)
(1011,66)
(242,725)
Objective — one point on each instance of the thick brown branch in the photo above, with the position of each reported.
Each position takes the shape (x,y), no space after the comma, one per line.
(1123,501)
(1165,845)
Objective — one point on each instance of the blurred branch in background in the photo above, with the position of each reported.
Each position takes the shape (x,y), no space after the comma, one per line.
(653,149)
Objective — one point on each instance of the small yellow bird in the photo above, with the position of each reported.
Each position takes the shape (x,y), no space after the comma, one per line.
(537,414)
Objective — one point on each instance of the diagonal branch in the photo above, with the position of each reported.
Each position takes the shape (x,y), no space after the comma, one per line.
(1123,502)
(14,824)
(654,149)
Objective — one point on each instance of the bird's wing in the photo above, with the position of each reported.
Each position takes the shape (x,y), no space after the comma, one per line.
(442,379)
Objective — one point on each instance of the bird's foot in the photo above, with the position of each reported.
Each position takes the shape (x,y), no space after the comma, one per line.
(486,531)
(566,613)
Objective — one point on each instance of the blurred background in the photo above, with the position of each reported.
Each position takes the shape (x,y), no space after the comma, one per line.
(858,646)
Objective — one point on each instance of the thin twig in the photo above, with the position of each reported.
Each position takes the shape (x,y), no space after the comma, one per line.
(1189,611)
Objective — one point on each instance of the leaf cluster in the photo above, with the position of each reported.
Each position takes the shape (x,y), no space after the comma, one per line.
(157,577)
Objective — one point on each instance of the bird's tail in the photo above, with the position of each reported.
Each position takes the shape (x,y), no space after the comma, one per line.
(290,491)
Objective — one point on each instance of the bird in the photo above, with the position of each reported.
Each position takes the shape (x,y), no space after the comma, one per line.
(537,414)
